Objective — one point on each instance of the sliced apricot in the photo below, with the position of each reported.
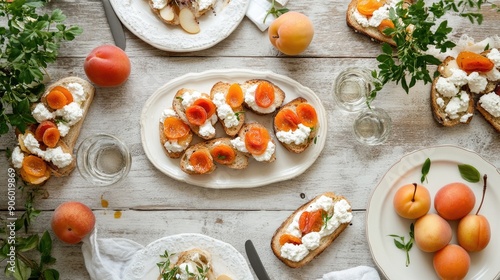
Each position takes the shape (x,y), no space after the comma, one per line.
(35,180)
(286,120)
(264,94)
(474,62)
(66,93)
(42,127)
(201,161)
(288,238)
(207,104)
(34,166)
(256,140)
(311,221)
(384,24)
(307,114)
(56,99)
(175,128)
(223,154)
(234,96)
(51,137)
(196,115)
(367,7)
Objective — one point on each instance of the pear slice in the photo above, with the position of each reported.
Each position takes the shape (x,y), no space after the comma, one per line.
(188,21)
(167,13)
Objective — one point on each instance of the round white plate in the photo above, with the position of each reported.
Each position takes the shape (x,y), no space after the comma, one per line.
(225,258)
(382,220)
(215,25)
(287,164)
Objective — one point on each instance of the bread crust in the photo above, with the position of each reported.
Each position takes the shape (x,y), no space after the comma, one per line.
(324,242)
(279,96)
(246,128)
(67,143)
(231,131)
(292,147)
(181,112)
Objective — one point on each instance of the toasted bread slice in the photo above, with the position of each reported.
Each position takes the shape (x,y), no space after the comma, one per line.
(494,121)
(180,109)
(296,147)
(67,142)
(325,240)
(174,148)
(439,113)
(185,159)
(249,91)
(241,139)
(240,160)
(226,114)
(369,31)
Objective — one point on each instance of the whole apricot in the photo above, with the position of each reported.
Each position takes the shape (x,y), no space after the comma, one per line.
(412,201)
(453,201)
(451,262)
(107,66)
(291,33)
(473,233)
(432,233)
(72,221)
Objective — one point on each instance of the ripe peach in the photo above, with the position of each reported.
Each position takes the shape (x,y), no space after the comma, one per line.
(473,232)
(451,262)
(291,33)
(454,201)
(412,201)
(432,233)
(107,66)
(72,221)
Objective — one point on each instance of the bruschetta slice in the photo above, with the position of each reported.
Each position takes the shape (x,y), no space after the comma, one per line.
(262,96)
(175,135)
(255,140)
(225,154)
(228,98)
(198,160)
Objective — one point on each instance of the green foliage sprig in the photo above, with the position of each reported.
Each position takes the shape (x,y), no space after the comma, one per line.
(276,12)
(417,27)
(400,243)
(29,42)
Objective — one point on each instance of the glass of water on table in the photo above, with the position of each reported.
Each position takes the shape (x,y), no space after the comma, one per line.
(351,90)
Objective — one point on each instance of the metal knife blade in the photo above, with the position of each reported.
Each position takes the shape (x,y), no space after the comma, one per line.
(115,25)
(255,261)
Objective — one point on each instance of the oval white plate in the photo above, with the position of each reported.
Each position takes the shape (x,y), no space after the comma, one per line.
(287,164)
(225,258)
(382,220)
(215,26)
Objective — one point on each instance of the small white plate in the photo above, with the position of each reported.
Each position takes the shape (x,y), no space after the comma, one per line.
(382,220)
(225,258)
(287,164)
(215,25)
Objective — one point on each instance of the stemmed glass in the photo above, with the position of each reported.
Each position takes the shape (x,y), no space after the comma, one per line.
(352,87)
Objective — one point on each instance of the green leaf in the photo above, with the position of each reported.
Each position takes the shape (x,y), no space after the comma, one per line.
(469,173)
(425,169)
(399,244)
(45,246)
(29,243)
(51,274)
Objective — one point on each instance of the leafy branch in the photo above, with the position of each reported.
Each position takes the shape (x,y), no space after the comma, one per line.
(29,42)
(415,30)
(400,243)
(276,12)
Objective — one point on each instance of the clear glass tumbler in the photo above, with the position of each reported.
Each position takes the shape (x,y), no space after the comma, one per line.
(103,159)
(372,126)
(351,88)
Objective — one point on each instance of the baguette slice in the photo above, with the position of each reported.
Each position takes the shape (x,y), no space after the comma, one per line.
(164,139)
(181,111)
(279,97)
(370,31)
(292,147)
(221,87)
(185,159)
(494,121)
(240,161)
(324,241)
(247,127)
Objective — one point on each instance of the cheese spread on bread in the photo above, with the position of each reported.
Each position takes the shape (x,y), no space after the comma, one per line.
(378,15)
(491,103)
(224,111)
(55,155)
(207,128)
(338,213)
(250,101)
(297,136)
(172,145)
(239,144)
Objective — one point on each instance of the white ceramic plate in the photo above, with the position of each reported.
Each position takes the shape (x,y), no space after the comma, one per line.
(287,164)
(382,220)
(215,26)
(225,258)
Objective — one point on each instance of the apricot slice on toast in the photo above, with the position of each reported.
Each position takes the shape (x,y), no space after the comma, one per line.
(223,154)
(34,166)
(234,96)
(201,161)
(287,120)
(264,94)
(307,114)
(175,128)
(256,140)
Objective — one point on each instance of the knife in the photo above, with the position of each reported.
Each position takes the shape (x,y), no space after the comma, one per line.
(115,25)
(255,261)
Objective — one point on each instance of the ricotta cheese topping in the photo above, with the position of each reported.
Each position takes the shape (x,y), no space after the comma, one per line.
(188,98)
(166,114)
(378,15)
(55,155)
(339,213)
(224,111)
(17,157)
(250,101)
(159,4)
(41,113)
(204,4)
(491,103)
(297,136)
(457,105)
(239,145)
(79,95)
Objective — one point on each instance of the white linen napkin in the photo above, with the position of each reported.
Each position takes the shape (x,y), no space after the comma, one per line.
(355,273)
(257,10)
(107,258)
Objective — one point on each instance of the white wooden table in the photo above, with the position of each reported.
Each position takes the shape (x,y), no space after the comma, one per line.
(154,205)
